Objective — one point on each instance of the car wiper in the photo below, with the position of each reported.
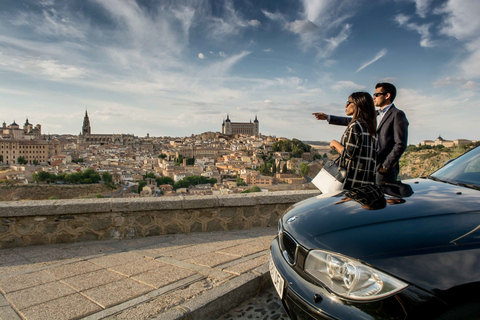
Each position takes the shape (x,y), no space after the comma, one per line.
(467,185)
(436,179)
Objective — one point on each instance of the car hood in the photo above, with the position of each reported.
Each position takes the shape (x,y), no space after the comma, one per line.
(425,215)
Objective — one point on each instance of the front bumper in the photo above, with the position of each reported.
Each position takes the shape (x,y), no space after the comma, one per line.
(304,299)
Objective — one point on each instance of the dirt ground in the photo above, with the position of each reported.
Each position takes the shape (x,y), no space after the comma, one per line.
(44,192)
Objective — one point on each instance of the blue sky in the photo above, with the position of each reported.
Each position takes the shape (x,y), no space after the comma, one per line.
(173,67)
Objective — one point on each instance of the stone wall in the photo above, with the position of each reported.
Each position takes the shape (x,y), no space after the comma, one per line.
(26,223)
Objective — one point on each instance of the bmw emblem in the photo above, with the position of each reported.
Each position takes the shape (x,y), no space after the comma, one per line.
(292,219)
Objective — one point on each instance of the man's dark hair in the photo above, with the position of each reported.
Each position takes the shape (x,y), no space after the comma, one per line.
(388,88)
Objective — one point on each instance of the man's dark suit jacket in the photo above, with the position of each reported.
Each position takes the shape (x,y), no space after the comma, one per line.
(392,134)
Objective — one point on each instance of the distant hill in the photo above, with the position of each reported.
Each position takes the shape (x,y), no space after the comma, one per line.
(317,143)
(423,161)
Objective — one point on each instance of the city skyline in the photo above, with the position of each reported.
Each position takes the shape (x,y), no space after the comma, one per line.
(176,68)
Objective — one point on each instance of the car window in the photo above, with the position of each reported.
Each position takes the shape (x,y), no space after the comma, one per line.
(463,170)
(473,166)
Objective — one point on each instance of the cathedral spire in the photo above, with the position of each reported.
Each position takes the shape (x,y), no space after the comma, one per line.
(86,124)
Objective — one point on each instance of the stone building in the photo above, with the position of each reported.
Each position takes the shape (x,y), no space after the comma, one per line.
(447,143)
(86,137)
(244,128)
(31,151)
(27,143)
(13,131)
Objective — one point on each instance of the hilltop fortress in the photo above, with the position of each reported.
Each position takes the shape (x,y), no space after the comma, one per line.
(245,128)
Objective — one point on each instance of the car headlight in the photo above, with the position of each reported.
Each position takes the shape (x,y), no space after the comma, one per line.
(350,278)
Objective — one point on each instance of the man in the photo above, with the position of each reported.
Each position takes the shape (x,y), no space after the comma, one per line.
(392,132)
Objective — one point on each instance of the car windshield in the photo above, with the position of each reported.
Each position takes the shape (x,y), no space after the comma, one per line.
(464,171)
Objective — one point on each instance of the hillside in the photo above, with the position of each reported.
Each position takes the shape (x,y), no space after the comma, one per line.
(420,162)
(14,192)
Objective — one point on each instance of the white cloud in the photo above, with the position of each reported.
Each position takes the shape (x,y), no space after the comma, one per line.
(460,21)
(230,23)
(222,67)
(330,63)
(333,43)
(422,7)
(431,114)
(222,54)
(201,56)
(274,16)
(328,14)
(13,92)
(379,55)
(53,69)
(448,81)
(254,23)
(470,85)
(320,18)
(422,30)
(185,15)
(341,85)
(301,26)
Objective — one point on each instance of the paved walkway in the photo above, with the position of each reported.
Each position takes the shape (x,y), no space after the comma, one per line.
(194,276)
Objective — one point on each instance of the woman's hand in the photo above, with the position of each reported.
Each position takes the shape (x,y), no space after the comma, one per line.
(334,144)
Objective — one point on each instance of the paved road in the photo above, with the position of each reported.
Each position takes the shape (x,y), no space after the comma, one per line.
(265,306)
(194,276)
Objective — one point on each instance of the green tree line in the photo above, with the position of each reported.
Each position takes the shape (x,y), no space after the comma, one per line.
(82,177)
(184,183)
(295,146)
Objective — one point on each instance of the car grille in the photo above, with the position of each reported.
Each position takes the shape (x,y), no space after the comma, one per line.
(289,247)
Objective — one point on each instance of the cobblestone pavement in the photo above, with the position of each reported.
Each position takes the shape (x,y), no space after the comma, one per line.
(178,276)
(265,306)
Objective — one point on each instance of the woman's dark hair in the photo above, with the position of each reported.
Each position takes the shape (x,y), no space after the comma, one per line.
(365,110)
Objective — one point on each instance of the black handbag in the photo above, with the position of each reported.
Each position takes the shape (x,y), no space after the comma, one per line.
(338,172)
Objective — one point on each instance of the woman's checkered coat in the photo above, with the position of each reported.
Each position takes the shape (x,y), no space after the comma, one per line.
(359,156)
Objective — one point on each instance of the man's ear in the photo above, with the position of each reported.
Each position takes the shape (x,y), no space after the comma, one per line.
(388,96)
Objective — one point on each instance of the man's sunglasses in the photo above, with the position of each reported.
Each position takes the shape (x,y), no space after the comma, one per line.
(376,94)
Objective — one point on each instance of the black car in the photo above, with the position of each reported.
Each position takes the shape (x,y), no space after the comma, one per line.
(400,251)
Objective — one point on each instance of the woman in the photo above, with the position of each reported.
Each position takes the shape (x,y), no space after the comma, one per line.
(358,146)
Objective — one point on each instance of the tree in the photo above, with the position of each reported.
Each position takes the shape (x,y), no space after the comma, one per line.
(240,182)
(141,184)
(162,155)
(252,189)
(90,176)
(285,168)
(1,158)
(192,181)
(149,175)
(41,176)
(274,167)
(179,160)
(304,169)
(21,160)
(165,180)
(35,162)
(107,178)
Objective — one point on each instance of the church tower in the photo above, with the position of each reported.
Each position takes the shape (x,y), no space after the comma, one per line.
(86,130)
(256,126)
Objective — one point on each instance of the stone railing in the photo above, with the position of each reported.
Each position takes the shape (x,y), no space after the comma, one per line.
(26,223)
